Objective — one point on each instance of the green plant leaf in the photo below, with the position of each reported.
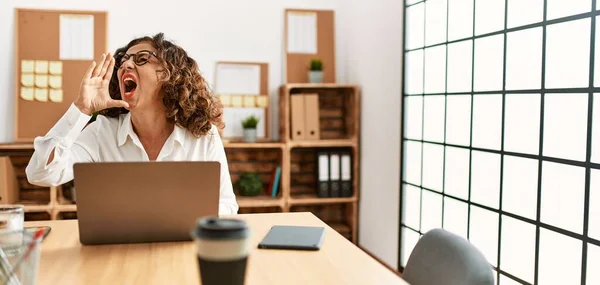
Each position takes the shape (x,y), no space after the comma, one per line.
(249,184)
(316,65)
(250,122)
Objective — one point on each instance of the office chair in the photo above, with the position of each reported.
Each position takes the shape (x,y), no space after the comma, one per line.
(443,258)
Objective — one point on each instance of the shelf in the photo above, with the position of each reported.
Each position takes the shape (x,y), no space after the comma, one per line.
(319,85)
(340,227)
(65,208)
(253,145)
(313,200)
(31,207)
(258,202)
(323,143)
(16,146)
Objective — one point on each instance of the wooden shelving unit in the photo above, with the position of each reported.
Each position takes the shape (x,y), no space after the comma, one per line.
(339,126)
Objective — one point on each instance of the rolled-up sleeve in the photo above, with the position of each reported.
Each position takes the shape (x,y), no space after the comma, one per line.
(70,144)
(216,152)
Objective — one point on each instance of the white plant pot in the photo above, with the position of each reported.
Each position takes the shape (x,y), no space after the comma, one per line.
(250,135)
(315,76)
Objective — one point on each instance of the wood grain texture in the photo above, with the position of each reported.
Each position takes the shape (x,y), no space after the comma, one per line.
(298,64)
(37,35)
(65,261)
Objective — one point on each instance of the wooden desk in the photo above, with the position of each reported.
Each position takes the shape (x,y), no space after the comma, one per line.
(65,261)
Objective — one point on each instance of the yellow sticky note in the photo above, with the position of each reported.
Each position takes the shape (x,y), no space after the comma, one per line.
(225,100)
(27,93)
(55,81)
(55,67)
(41,94)
(56,95)
(27,80)
(262,101)
(41,66)
(27,66)
(236,101)
(249,101)
(41,81)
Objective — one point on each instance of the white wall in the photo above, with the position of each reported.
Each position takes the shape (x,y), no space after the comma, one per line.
(373,30)
(232,30)
(368,53)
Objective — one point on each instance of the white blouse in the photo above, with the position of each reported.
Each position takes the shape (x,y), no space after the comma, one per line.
(113,139)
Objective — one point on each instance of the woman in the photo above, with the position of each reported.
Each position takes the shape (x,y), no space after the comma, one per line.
(156,106)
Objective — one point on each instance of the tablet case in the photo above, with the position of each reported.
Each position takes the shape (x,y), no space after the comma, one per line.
(293,237)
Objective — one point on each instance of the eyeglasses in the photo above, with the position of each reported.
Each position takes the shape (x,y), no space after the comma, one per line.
(140,58)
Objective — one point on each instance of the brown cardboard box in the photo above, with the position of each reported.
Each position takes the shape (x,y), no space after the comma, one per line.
(9,187)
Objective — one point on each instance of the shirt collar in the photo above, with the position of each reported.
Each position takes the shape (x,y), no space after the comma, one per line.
(179,135)
(126,130)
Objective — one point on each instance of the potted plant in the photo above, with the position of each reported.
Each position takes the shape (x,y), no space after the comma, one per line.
(315,75)
(249,184)
(249,124)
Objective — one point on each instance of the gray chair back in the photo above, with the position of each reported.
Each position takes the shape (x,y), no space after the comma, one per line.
(443,258)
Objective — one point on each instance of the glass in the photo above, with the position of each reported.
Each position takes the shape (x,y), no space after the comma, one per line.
(20,256)
(412,206)
(484,233)
(563,189)
(568,54)
(559,254)
(565,125)
(460,19)
(519,195)
(413,123)
(485,178)
(518,248)
(414,72)
(140,58)
(487,121)
(460,56)
(507,281)
(415,26)
(594,215)
(456,216)
(522,123)
(593,263)
(435,69)
(433,119)
(524,59)
(412,162)
(489,17)
(489,54)
(435,21)
(431,211)
(597,58)
(433,166)
(458,119)
(596,129)
(409,241)
(562,8)
(522,12)
(11,217)
(457,172)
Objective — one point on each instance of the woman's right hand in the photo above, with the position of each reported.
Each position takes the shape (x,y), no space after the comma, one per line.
(93,91)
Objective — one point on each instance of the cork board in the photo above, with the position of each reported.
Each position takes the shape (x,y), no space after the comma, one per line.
(44,94)
(264,73)
(298,64)
(246,100)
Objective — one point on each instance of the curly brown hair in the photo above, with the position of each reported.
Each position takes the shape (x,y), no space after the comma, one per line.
(188,101)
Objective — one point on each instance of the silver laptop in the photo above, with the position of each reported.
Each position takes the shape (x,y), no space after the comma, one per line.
(136,202)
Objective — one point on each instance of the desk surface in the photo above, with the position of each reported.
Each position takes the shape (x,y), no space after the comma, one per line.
(65,261)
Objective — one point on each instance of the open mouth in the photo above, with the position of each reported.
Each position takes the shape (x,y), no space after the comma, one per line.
(129,84)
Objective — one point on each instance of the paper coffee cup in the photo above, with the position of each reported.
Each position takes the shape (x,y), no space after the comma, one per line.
(222,247)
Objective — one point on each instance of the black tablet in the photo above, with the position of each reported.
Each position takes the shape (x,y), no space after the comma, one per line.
(293,237)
